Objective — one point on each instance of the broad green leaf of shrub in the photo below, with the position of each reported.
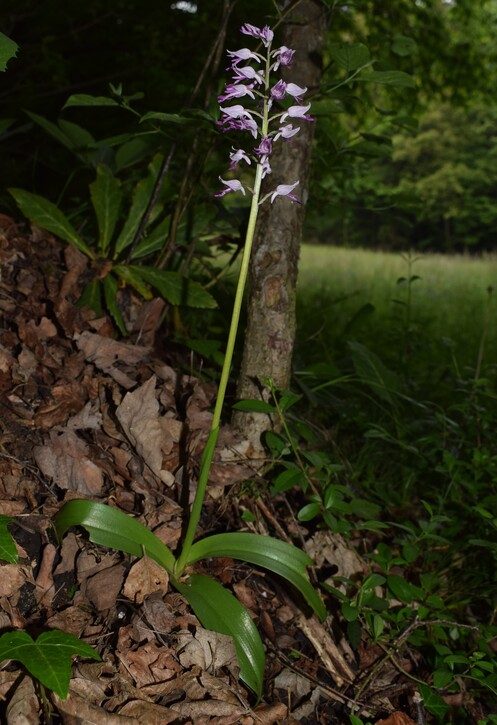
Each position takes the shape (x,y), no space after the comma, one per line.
(220,611)
(106,198)
(49,659)
(48,216)
(8,550)
(349,56)
(175,288)
(142,194)
(110,527)
(278,556)
(110,285)
(8,50)
(83,99)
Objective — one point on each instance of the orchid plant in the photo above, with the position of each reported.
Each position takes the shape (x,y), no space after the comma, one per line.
(253,79)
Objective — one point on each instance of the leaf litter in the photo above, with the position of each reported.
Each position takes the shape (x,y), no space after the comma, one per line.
(84,414)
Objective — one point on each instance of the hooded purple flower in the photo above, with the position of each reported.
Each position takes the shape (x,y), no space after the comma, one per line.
(266,34)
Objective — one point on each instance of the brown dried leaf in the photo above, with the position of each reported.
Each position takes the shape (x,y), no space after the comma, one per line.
(65,460)
(67,399)
(396,718)
(149,434)
(102,589)
(23,707)
(208,650)
(145,578)
(106,353)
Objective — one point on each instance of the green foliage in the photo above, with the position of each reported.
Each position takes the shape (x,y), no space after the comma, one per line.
(8,550)
(216,608)
(8,50)
(48,658)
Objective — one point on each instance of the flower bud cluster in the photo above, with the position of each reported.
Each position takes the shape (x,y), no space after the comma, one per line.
(252,79)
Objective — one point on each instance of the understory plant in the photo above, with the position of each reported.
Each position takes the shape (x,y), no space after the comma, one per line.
(275,105)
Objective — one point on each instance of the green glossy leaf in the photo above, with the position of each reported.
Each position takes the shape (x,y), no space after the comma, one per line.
(254,406)
(309,512)
(82,99)
(288,479)
(111,285)
(92,297)
(78,136)
(8,550)
(141,197)
(175,288)
(8,50)
(219,610)
(164,117)
(46,215)
(279,557)
(110,527)
(400,588)
(389,78)
(49,659)
(106,198)
(131,275)
(154,241)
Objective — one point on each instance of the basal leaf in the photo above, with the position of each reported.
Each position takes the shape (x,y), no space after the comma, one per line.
(153,242)
(8,50)
(131,276)
(82,99)
(92,297)
(175,288)
(106,199)
(219,610)
(110,527)
(49,659)
(46,215)
(8,550)
(279,557)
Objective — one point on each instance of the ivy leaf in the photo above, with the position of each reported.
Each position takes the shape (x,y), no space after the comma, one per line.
(433,702)
(279,557)
(219,610)
(8,50)
(8,550)
(49,659)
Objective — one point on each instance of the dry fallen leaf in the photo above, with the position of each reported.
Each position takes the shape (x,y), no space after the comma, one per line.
(145,578)
(65,460)
(396,718)
(107,353)
(208,650)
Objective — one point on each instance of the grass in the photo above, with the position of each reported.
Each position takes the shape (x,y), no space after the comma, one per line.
(357,293)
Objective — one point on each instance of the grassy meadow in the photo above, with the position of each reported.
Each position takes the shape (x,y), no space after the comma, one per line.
(443,313)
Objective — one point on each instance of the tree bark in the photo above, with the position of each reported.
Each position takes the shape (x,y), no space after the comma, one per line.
(270,332)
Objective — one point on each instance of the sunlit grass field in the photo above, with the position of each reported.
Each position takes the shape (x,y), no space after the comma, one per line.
(364,295)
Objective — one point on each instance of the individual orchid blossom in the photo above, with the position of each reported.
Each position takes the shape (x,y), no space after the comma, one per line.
(266,34)
(236,156)
(231,185)
(297,112)
(265,126)
(284,190)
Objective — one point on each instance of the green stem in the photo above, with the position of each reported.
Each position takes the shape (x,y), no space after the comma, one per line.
(205,465)
(206,462)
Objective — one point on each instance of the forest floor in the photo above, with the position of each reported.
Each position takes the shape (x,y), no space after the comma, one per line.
(64,435)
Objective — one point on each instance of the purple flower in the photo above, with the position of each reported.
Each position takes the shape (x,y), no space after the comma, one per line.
(284,56)
(236,156)
(243,54)
(278,90)
(247,73)
(265,147)
(296,91)
(266,167)
(236,90)
(233,185)
(266,34)
(287,131)
(297,112)
(284,190)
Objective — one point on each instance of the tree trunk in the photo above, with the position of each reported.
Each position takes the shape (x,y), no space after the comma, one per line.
(270,332)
